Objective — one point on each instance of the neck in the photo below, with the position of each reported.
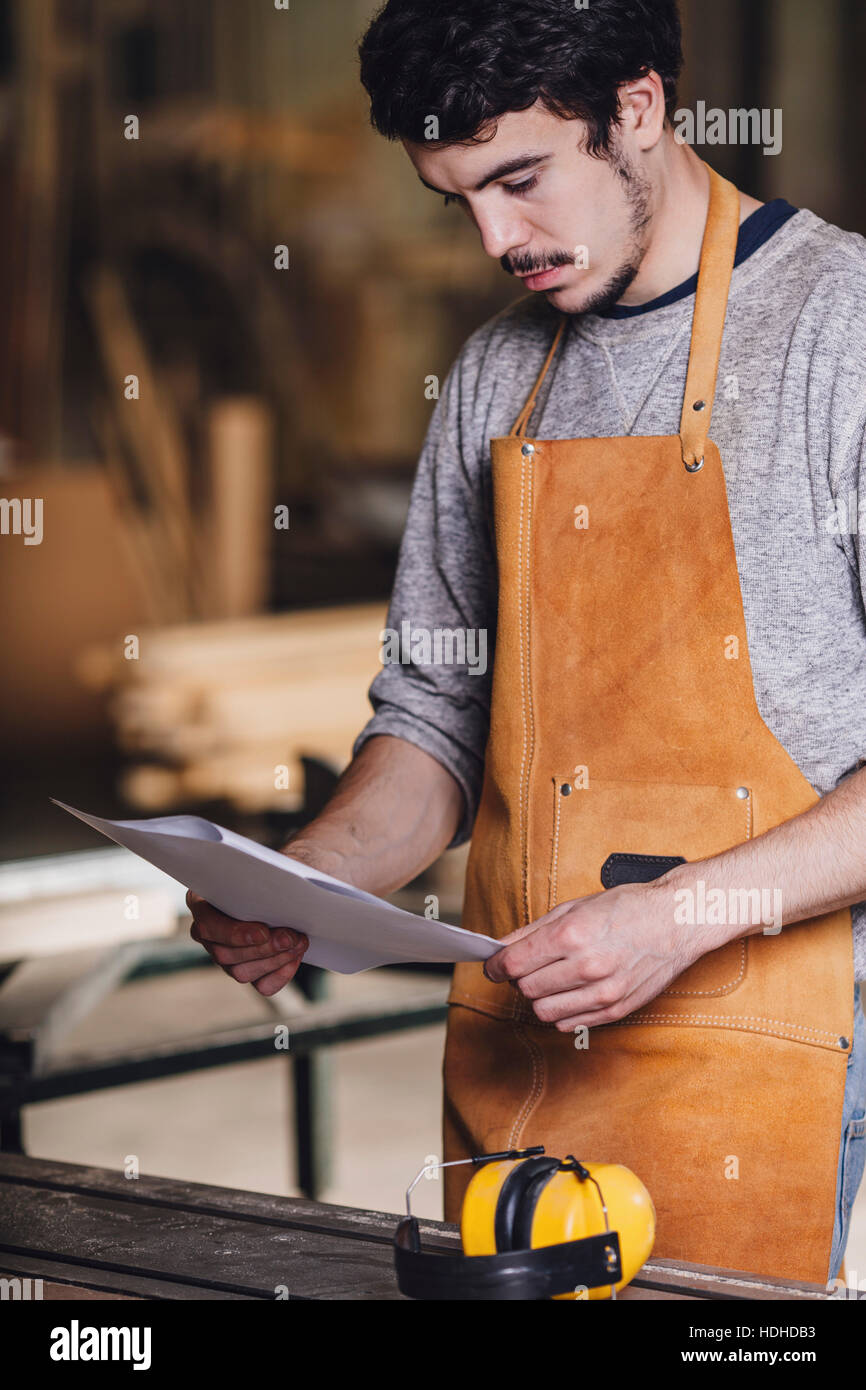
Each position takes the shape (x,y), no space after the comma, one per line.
(681,198)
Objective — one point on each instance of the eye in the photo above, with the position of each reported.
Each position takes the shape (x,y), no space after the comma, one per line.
(519,190)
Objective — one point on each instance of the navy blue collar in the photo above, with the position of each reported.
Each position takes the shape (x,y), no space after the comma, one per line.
(763,223)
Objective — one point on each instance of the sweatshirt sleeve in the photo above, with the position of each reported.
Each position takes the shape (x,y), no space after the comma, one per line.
(841,357)
(437,652)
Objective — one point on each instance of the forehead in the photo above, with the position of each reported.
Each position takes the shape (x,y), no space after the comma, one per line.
(535,132)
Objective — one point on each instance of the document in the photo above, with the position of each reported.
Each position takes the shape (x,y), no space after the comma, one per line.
(349,930)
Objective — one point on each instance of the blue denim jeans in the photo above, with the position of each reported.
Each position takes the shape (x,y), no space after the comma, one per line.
(852,1150)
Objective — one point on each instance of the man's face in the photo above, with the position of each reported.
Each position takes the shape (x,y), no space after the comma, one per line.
(569,225)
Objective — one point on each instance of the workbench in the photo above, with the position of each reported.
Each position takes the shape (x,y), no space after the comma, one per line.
(91,1233)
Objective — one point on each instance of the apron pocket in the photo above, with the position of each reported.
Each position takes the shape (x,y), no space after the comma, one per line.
(642,828)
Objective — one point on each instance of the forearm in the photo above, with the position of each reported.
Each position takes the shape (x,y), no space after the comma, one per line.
(808,866)
(394,811)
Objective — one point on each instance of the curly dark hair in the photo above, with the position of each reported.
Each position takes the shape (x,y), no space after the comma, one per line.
(468,62)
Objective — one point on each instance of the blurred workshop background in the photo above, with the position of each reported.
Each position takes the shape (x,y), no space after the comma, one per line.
(223,298)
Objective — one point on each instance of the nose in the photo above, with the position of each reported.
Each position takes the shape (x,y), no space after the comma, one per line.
(501,231)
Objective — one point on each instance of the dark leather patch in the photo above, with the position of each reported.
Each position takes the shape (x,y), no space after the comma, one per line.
(636,868)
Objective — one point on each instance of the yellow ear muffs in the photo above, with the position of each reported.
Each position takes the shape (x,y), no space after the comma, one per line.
(515,1205)
(535,1202)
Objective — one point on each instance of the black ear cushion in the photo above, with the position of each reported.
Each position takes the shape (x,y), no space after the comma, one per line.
(515,1206)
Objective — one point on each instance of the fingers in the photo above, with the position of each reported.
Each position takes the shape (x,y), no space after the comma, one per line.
(277,980)
(281,940)
(214,927)
(249,952)
(593,1013)
(552,980)
(250,965)
(598,1017)
(580,1005)
(530,953)
(552,916)
(255,970)
(562,934)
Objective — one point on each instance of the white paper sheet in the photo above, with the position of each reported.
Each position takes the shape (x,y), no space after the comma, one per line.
(349,930)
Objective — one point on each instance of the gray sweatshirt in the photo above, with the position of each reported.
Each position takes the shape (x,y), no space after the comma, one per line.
(789,419)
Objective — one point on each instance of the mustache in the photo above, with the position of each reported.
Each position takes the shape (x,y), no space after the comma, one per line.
(528,264)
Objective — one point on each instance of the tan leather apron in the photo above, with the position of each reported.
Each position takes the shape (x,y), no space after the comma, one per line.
(624,721)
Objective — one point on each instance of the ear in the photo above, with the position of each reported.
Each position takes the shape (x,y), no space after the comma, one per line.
(642,110)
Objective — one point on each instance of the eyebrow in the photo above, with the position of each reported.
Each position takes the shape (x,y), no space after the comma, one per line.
(501,171)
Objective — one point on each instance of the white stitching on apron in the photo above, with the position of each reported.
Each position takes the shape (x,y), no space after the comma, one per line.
(536,1087)
(527,1018)
(524,591)
(695,993)
(523,626)
(554,868)
(738,1021)
(723,989)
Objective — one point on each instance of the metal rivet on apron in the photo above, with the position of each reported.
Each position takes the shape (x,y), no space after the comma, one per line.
(528,450)
(566,789)
(843,1042)
(743,793)
(695,467)
(700,405)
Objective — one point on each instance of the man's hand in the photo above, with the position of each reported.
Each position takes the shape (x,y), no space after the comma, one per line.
(597,959)
(250,952)
(394,811)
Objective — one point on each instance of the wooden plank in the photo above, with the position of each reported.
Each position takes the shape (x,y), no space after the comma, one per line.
(40,928)
(219,1253)
(239,530)
(164,604)
(701,1281)
(45,188)
(258,1206)
(150,427)
(79,587)
(51,1290)
(321,1250)
(184,651)
(82,871)
(246,780)
(43,999)
(108,1283)
(636,1292)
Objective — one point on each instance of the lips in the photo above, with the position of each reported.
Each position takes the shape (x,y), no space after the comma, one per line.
(543,279)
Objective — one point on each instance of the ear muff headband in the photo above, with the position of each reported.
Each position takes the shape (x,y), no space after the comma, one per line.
(513,1275)
(515,1206)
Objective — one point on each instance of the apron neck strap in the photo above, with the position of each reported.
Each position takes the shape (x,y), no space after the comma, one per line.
(711,307)
(522,421)
(711,303)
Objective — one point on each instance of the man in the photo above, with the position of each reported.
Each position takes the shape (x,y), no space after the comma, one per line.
(663,775)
